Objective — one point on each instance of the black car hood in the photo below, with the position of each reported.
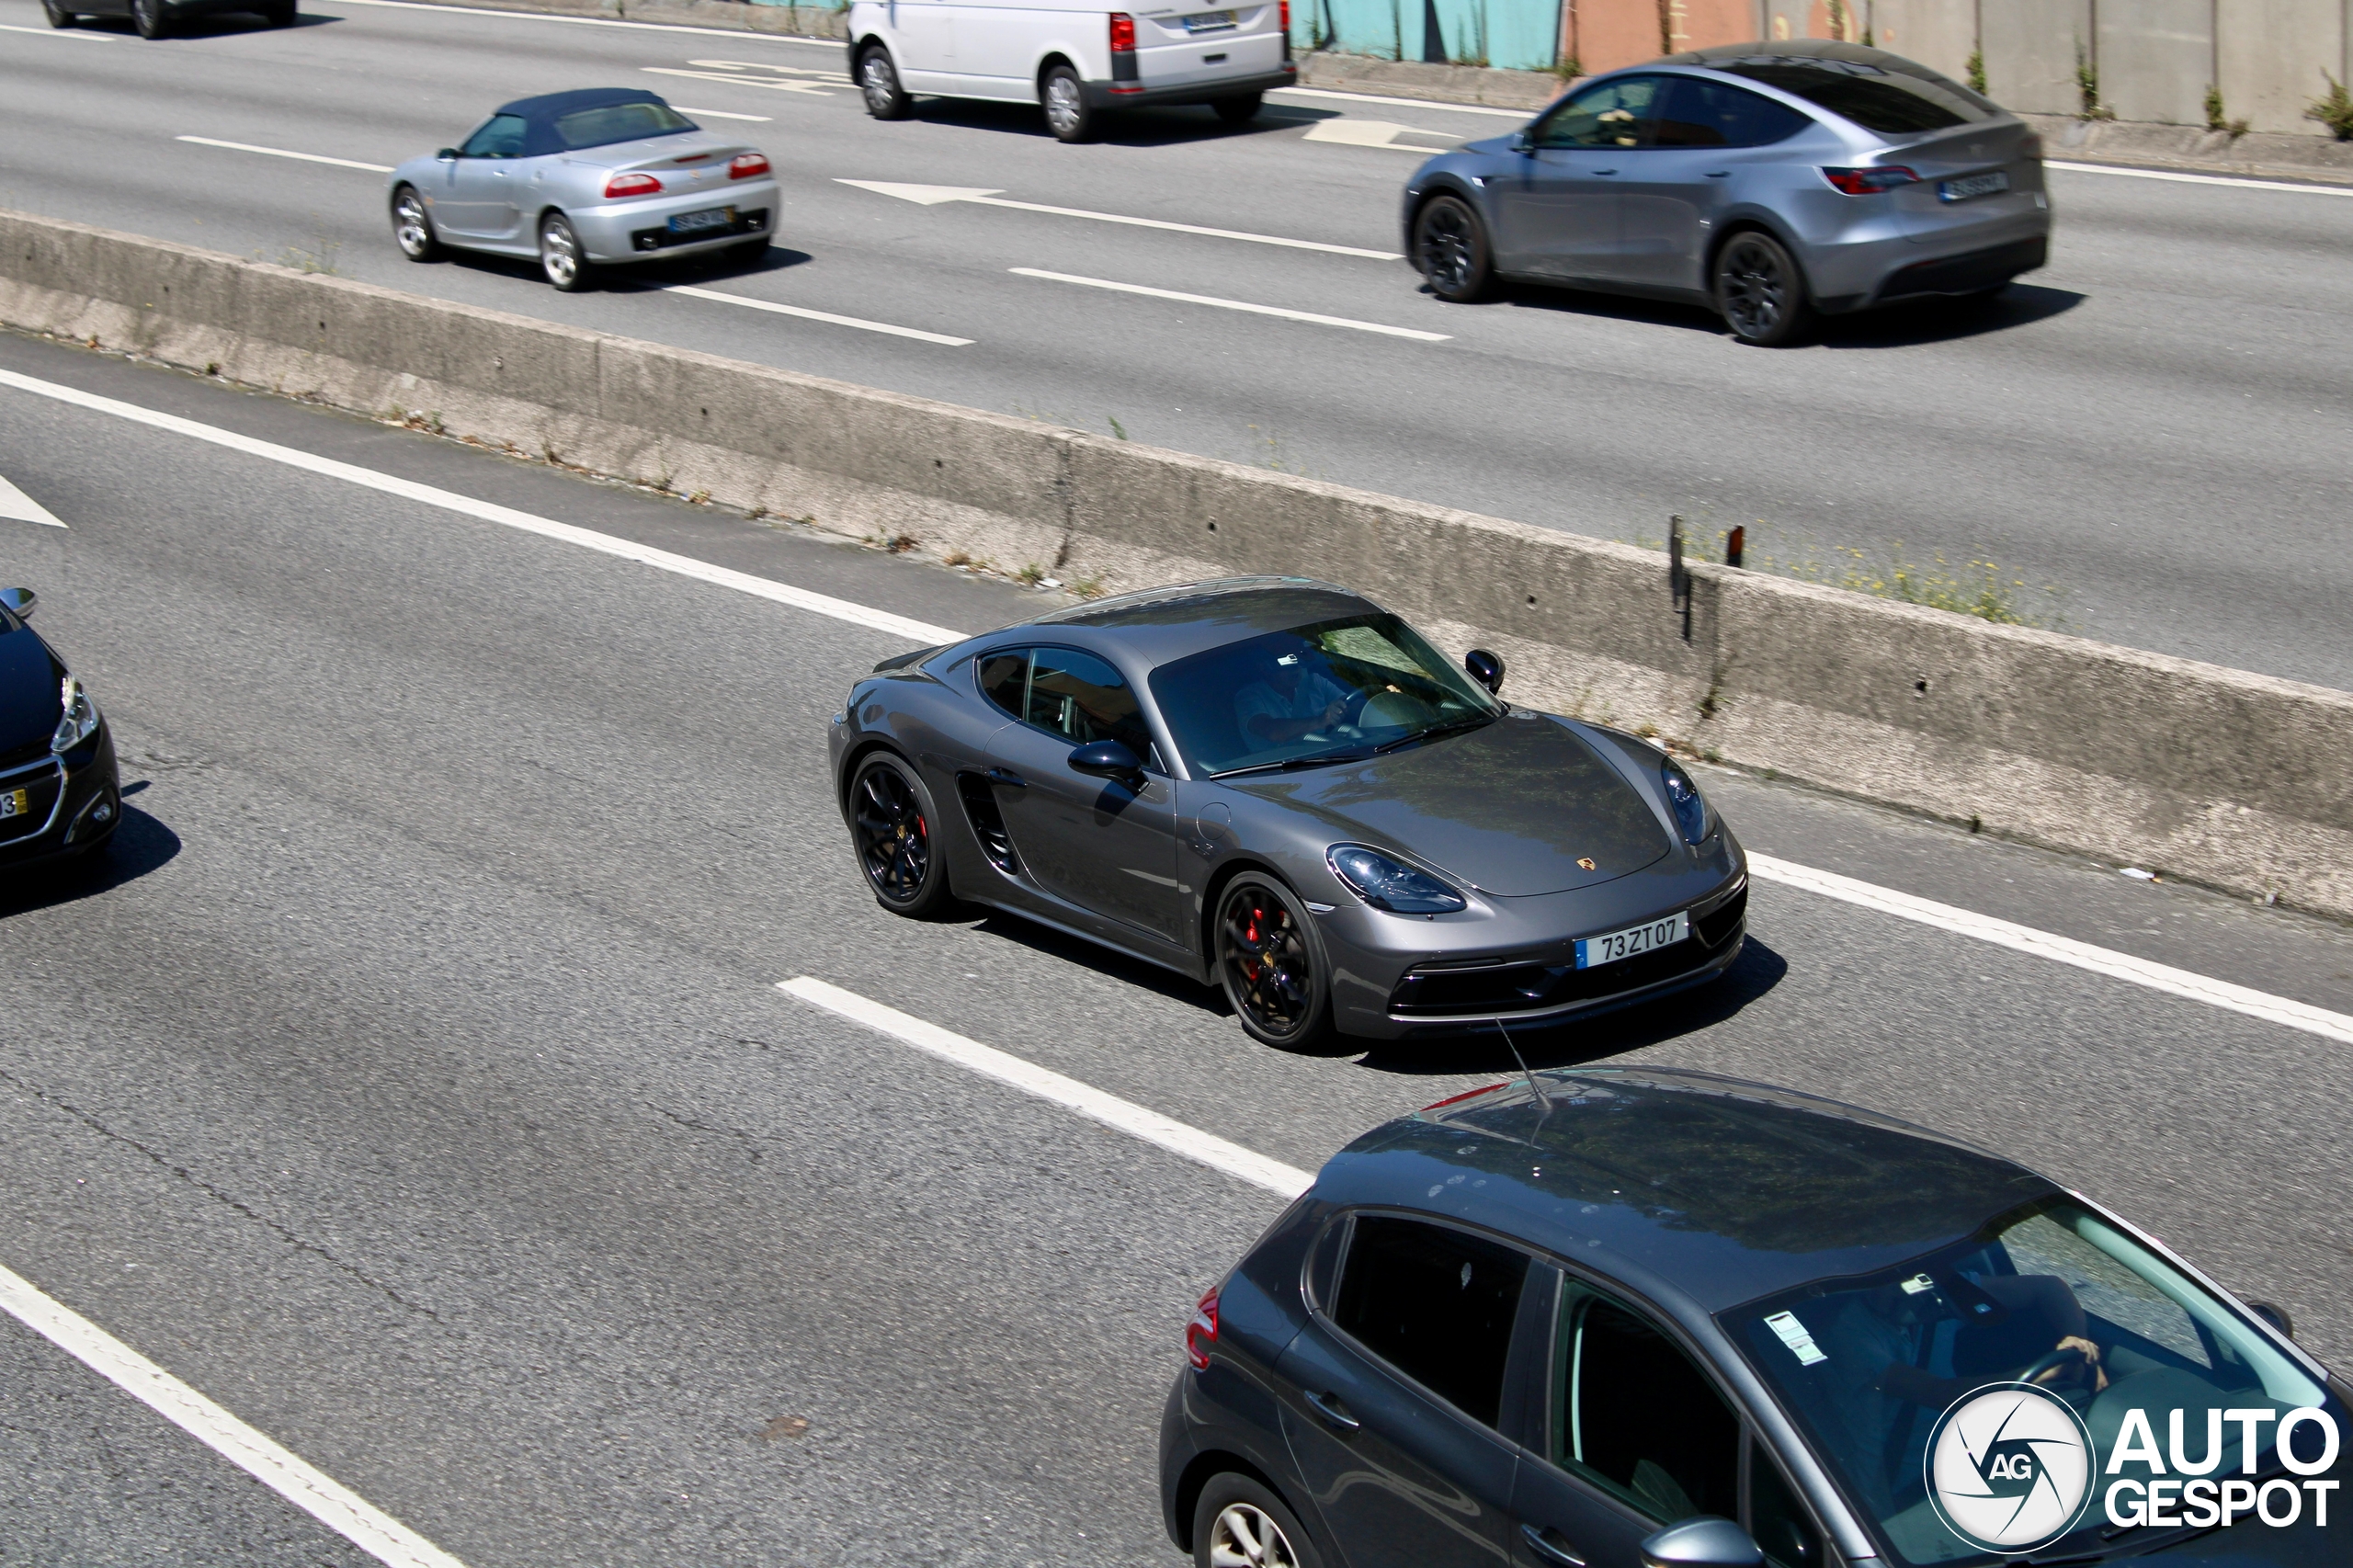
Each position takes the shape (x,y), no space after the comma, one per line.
(1514,808)
(29,704)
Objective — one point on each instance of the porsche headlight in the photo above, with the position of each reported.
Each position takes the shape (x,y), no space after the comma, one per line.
(1389,884)
(1691,814)
(79,722)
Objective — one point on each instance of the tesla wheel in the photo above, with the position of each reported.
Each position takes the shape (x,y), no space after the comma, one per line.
(560,255)
(1239,110)
(1270,963)
(59,17)
(1761,291)
(149,19)
(1068,114)
(1450,250)
(878,83)
(1240,1523)
(413,225)
(894,825)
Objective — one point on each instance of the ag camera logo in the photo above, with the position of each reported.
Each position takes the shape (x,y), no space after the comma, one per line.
(2009,1467)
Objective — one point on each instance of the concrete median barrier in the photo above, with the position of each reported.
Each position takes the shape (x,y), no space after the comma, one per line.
(2218,776)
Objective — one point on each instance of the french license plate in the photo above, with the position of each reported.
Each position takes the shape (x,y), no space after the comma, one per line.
(1633,941)
(15,802)
(1208,21)
(708,218)
(1972,185)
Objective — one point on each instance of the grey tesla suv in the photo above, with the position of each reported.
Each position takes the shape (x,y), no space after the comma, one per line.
(1771,181)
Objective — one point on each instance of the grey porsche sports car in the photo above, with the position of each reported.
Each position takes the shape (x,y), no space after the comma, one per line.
(1274,785)
(582,181)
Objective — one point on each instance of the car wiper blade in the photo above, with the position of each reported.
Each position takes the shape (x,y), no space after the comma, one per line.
(1291,765)
(1476,722)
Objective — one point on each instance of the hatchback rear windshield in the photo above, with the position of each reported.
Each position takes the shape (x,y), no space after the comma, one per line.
(619,123)
(1891,101)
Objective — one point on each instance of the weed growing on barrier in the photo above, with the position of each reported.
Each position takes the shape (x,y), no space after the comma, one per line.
(2087,89)
(2218,118)
(2335,111)
(1031,575)
(1981,588)
(318,257)
(1977,71)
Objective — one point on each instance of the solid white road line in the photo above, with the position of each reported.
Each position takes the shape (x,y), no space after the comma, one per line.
(2059,950)
(318,1494)
(808,314)
(833,43)
(933,194)
(2201,179)
(812,89)
(505,516)
(1521,114)
(58,32)
(19,507)
(1414,333)
(720,114)
(1289,1181)
(282,153)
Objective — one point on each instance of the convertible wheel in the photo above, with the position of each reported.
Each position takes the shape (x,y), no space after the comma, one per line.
(892,821)
(1240,1523)
(878,81)
(1450,250)
(1270,963)
(413,225)
(1761,291)
(150,19)
(1068,114)
(560,255)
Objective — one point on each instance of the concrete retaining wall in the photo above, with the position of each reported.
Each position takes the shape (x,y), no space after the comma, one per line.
(2236,779)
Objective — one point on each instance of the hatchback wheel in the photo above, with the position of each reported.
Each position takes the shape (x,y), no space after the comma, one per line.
(1240,1523)
(413,225)
(1761,291)
(149,19)
(878,83)
(560,255)
(1068,114)
(1270,963)
(896,831)
(1450,250)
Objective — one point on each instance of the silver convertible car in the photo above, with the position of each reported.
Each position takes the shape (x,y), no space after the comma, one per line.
(584,179)
(1274,785)
(1771,181)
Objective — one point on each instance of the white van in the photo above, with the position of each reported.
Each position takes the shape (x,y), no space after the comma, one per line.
(1075,63)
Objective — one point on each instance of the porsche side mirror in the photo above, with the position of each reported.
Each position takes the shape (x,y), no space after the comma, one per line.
(1106,760)
(2276,1316)
(18,602)
(1485,669)
(448,155)
(1703,1543)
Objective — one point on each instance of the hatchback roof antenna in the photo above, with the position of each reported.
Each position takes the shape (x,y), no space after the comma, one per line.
(1534,1087)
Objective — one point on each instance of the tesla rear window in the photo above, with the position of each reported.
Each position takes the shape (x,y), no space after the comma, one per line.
(1894,103)
(619,123)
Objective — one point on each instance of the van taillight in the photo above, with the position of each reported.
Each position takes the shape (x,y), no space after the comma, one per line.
(1286,15)
(1123,33)
(1200,1334)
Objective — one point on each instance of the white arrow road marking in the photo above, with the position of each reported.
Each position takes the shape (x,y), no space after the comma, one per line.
(1374,134)
(841,76)
(812,88)
(934,194)
(1286,1181)
(18,506)
(282,153)
(338,1508)
(720,114)
(807,314)
(1414,333)
(1408,103)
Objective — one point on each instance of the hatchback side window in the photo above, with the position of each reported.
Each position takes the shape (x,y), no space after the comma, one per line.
(1717,114)
(1633,1415)
(501,138)
(1084,700)
(1775,1519)
(1004,679)
(1618,113)
(1438,1304)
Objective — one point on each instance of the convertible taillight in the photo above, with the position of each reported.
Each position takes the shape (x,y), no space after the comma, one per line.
(1123,33)
(745,165)
(632,185)
(1870,182)
(1200,1334)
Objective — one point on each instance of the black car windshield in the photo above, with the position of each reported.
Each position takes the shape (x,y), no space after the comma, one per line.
(1892,101)
(2152,1363)
(1324,692)
(609,123)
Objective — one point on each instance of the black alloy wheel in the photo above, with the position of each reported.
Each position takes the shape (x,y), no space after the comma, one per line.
(892,821)
(1239,110)
(1270,963)
(1761,291)
(1238,1523)
(59,17)
(149,19)
(878,83)
(1450,250)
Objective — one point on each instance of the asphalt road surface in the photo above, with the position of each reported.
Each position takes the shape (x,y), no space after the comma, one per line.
(2150,436)
(413,1082)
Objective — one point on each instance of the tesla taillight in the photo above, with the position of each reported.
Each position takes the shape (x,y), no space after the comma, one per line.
(1200,1334)
(632,185)
(1870,182)
(745,165)
(1123,33)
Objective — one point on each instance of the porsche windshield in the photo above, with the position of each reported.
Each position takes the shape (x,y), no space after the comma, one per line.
(1329,692)
(2054,1297)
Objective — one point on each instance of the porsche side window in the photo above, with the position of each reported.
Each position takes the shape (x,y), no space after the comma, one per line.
(1004,679)
(1631,1414)
(1084,700)
(1438,1304)
(1620,113)
(501,138)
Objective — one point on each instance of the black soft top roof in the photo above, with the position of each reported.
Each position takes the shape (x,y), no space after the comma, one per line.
(539,115)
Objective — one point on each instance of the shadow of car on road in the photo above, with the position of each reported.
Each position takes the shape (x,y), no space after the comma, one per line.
(199,29)
(1174,125)
(141,843)
(632,277)
(1933,320)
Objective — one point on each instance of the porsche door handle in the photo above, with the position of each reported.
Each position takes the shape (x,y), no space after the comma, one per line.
(1333,1411)
(1549,1547)
(1006,776)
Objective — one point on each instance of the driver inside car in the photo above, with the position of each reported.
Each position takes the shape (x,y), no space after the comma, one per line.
(1289,701)
(2028,1327)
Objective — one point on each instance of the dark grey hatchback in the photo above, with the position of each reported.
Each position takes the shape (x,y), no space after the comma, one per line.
(1598,1318)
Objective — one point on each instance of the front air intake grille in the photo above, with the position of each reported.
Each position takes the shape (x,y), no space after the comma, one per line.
(1475,989)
